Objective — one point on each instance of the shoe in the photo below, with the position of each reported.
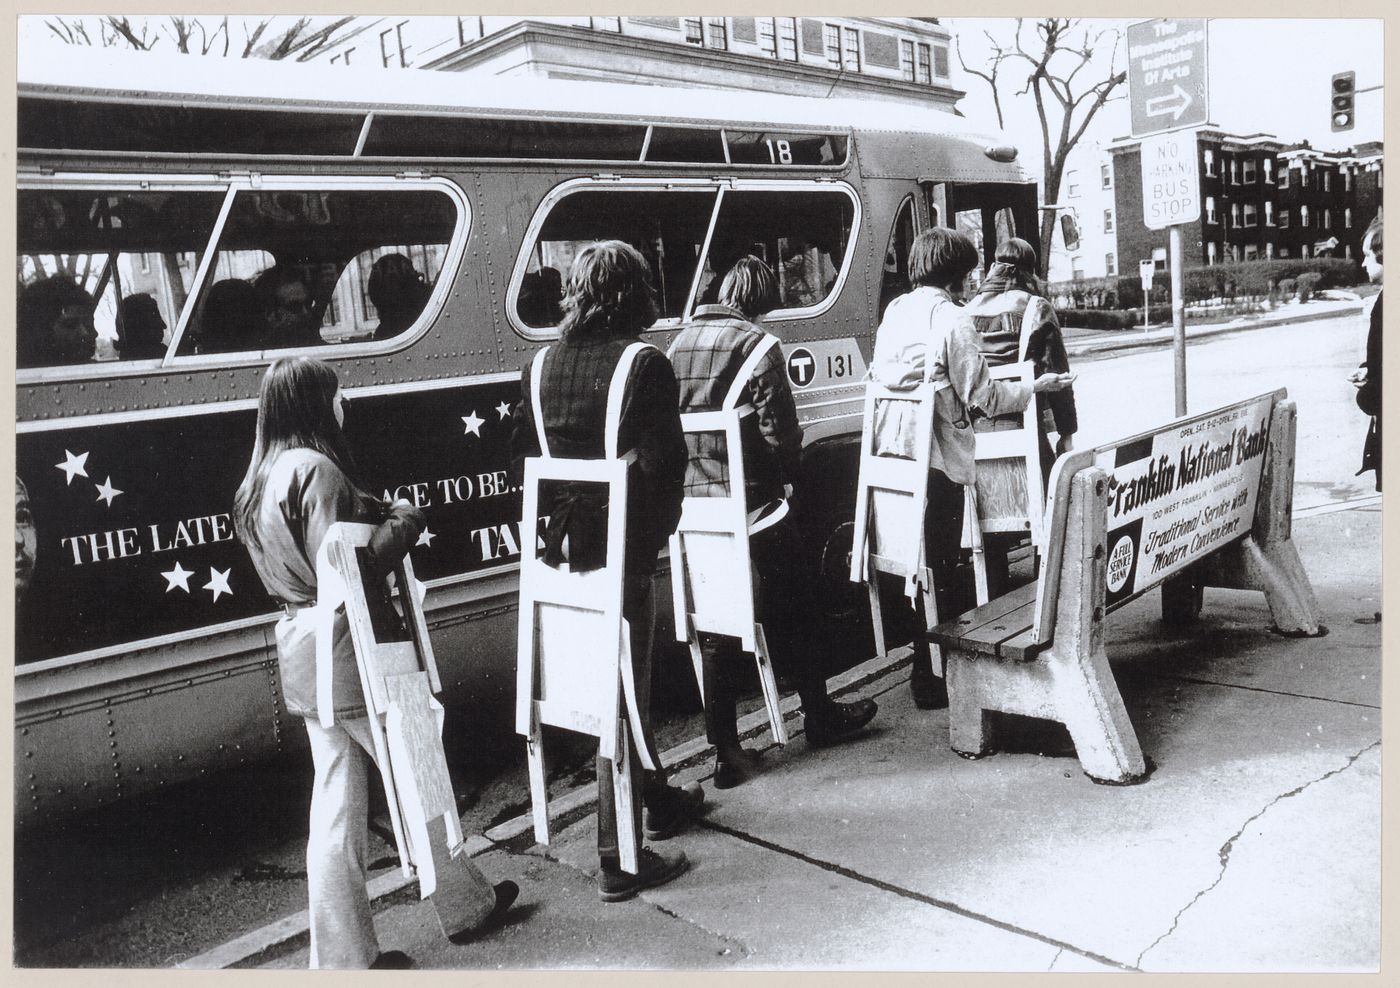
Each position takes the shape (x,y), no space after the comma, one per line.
(392,960)
(653,869)
(735,767)
(675,809)
(839,722)
(506,893)
(929,691)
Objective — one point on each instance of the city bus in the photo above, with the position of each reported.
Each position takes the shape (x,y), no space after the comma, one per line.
(414,230)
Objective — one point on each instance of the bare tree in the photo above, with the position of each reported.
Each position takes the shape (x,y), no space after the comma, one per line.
(193,35)
(1048,62)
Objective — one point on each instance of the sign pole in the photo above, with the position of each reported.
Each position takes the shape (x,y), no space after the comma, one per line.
(1178,316)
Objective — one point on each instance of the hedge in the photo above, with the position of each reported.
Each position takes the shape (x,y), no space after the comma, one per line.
(1099,318)
(1249,279)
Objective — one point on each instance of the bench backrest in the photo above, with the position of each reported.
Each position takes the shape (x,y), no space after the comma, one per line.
(892,485)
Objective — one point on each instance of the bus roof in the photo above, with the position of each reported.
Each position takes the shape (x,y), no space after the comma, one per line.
(147,75)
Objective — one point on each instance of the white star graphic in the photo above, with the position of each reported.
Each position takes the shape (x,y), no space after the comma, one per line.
(503,410)
(426,538)
(178,577)
(106,492)
(73,466)
(218,582)
(473,423)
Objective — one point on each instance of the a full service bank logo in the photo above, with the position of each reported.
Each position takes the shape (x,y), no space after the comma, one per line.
(1120,562)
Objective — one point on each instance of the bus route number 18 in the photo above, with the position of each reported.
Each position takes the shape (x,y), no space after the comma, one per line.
(779,152)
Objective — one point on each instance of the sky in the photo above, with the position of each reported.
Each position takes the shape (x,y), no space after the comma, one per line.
(1271,76)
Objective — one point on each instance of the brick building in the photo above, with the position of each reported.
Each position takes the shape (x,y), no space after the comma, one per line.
(1260,198)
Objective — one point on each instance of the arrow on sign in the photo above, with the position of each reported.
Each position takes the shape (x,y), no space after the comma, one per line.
(1175,103)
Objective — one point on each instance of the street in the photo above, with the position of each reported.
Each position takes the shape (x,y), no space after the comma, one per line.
(165,879)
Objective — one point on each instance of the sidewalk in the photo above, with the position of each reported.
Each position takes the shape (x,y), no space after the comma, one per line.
(1086,342)
(1254,845)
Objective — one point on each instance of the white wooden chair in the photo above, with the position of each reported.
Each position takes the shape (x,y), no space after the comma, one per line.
(574,664)
(711,571)
(1009,495)
(399,677)
(891,498)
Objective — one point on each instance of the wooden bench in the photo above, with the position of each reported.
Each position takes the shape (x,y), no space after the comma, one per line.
(1039,650)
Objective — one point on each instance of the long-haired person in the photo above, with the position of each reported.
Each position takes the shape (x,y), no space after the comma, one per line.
(1367,377)
(926,336)
(608,301)
(708,355)
(300,481)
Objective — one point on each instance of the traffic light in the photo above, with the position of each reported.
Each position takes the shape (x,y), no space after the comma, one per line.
(1343,101)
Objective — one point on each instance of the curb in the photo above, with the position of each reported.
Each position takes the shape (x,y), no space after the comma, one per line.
(563,810)
(1090,347)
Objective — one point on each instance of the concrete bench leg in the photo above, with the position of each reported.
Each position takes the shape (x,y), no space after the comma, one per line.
(1071,682)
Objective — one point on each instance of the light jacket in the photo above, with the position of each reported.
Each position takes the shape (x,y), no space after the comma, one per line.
(926,336)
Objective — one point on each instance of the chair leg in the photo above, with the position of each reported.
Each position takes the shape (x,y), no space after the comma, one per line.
(979,551)
(539,795)
(696,658)
(628,840)
(770,685)
(930,606)
(877,621)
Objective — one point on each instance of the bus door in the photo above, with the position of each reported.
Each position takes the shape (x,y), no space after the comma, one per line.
(987,212)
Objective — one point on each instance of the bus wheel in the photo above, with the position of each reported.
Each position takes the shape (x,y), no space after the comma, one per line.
(840,600)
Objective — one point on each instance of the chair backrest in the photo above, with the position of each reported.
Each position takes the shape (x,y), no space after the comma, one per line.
(711,577)
(388,641)
(892,485)
(1010,488)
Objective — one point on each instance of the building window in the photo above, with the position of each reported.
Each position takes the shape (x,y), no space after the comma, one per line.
(694,30)
(1283,177)
(716,34)
(1326,181)
(1346,179)
(1106,176)
(1283,252)
(1072,183)
(1251,173)
(1159,258)
(1303,216)
(1307,250)
(1108,221)
(1210,162)
(1327,219)
(1268,214)
(391,46)
(1346,220)
(612,24)
(787,38)
(1251,214)
(1210,210)
(1251,252)
(1269,170)
(940,61)
(1303,176)
(1234,214)
(831,36)
(906,60)
(1283,219)
(850,49)
(1210,253)
(1108,265)
(768,36)
(1269,251)
(1076,265)
(924,71)
(1234,172)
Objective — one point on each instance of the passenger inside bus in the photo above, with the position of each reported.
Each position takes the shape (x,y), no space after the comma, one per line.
(54,324)
(288,307)
(398,292)
(230,319)
(140,328)
(541,297)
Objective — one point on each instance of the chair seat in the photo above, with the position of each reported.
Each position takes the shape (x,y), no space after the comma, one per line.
(1001,627)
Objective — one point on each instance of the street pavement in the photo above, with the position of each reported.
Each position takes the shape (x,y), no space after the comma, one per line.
(1254,845)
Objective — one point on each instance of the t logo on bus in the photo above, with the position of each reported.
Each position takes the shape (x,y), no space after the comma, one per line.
(801,367)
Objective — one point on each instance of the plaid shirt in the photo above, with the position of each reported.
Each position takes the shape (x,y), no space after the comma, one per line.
(706,355)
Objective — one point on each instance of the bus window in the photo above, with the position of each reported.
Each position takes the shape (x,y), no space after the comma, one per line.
(895,279)
(801,234)
(103,274)
(667,226)
(300,268)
